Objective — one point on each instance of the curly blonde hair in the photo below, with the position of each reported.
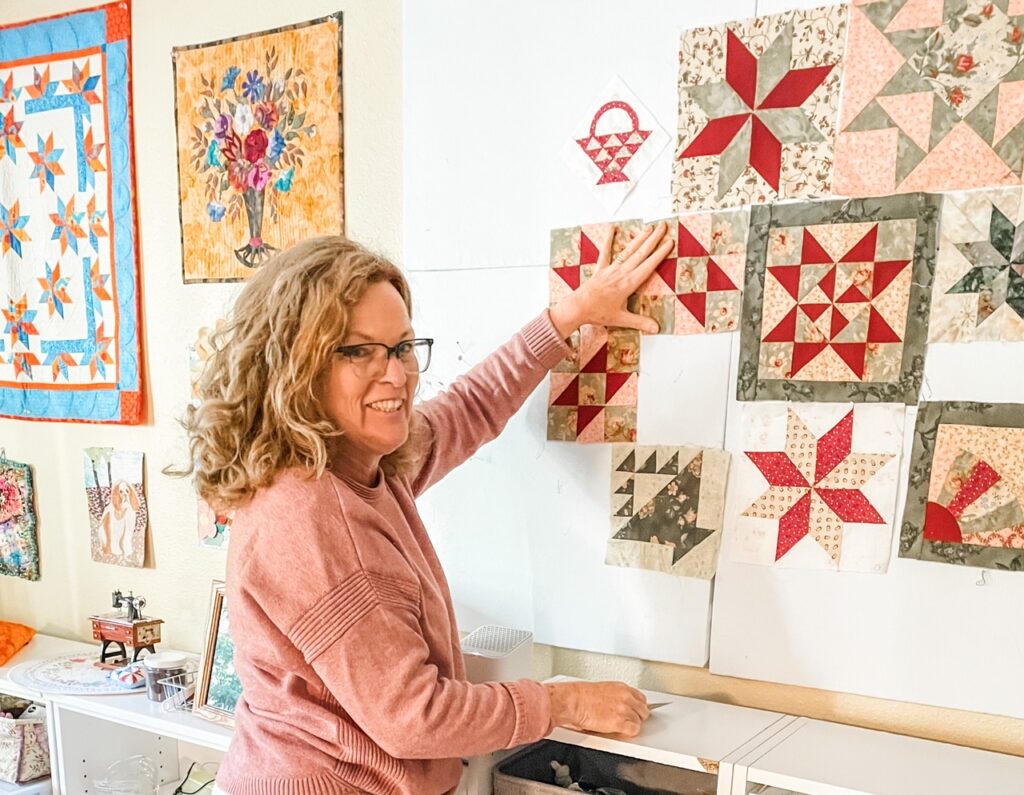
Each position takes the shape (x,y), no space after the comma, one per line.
(260,409)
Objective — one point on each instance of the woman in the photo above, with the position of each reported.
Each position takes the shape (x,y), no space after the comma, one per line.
(345,637)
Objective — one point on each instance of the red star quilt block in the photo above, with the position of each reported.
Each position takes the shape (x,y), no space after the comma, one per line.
(817,485)
(965,501)
(698,287)
(758,108)
(933,97)
(837,300)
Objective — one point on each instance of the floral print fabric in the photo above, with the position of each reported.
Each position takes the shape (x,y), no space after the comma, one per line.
(19,546)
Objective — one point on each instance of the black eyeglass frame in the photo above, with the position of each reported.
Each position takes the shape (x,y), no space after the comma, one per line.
(392,350)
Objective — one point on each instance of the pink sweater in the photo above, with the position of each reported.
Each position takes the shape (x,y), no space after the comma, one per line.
(345,636)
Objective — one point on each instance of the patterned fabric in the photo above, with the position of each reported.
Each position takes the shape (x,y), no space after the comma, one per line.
(19,547)
(831,476)
(69,673)
(698,288)
(667,508)
(836,300)
(68,289)
(979,274)
(933,97)
(24,745)
(260,163)
(965,500)
(758,104)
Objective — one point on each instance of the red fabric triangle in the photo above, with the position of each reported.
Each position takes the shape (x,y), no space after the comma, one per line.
(667,272)
(941,525)
(689,246)
(765,152)
(716,136)
(570,275)
(589,251)
(789,277)
(585,415)
(633,147)
(879,330)
(740,69)
(853,295)
(803,353)
(696,303)
(598,362)
(833,447)
(814,311)
(718,279)
(785,331)
(885,272)
(853,353)
(793,525)
(812,252)
(839,322)
(864,250)
(613,383)
(570,395)
(828,283)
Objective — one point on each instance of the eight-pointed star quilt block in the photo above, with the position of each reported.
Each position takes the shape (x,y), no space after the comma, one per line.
(698,287)
(836,300)
(816,485)
(758,107)
(965,499)
(979,274)
(667,508)
(933,97)
(70,343)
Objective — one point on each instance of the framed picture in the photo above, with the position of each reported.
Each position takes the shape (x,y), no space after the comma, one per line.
(218,687)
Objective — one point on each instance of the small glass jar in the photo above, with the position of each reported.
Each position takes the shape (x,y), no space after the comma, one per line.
(161,666)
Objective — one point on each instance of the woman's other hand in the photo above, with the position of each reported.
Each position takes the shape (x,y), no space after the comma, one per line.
(602,707)
(601,300)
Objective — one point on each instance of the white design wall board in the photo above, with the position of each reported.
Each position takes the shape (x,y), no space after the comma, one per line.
(522,527)
(921,632)
(492,91)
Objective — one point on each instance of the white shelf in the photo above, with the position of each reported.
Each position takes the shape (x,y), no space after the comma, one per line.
(34,788)
(41,647)
(687,732)
(821,758)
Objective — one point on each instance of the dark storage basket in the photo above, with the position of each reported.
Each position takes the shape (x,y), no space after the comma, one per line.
(529,772)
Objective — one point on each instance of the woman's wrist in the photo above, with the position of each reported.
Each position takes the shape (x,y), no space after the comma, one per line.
(565,317)
(560,704)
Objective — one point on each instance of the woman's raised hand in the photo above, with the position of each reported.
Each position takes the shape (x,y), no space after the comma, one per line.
(601,300)
(602,707)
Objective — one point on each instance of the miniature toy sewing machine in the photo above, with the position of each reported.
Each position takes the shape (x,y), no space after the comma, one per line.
(123,629)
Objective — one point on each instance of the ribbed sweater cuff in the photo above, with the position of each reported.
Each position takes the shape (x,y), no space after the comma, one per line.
(533,711)
(543,341)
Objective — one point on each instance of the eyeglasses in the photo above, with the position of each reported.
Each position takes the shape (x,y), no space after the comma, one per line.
(370,359)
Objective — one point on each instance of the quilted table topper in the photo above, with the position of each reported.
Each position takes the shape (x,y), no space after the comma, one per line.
(836,300)
(979,274)
(965,499)
(71,342)
(933,97)
(758,108)
(667,508)
(698,287)
(816,485)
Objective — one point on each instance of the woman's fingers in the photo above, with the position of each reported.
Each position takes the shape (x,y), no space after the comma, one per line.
(604,256)
(631,248)
(645,268)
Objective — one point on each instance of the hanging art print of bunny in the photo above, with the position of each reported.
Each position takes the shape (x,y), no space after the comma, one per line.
(117,506)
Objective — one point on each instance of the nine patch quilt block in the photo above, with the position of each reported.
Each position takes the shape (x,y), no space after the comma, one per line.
(979,274)
(836,300)
(71,342)
(758,108)
(698,288)
(19,547)
(260,164)
(667,508)
(817,485)
(933,97)
(965,499)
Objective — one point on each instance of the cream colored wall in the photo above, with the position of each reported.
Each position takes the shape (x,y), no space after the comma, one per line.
(177,583)
(177,587)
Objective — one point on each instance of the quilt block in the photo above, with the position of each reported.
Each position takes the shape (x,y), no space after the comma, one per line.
(667,508)
(71,341)
(817,485)
(758,108)
(965,499)
(836,300)
(933,97)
